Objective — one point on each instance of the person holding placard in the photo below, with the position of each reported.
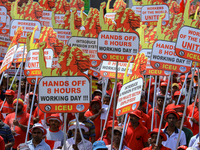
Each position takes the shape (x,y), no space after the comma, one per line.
(20,123)
(23,86)
(153,138)
(136,134)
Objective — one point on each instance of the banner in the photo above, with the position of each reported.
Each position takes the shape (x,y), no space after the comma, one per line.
(3,14)
(32,67)
(64,94)
(8,59)
(59,18)
(151,13)
(88,46)
(117,46)
(27,26)
(3,51)
(19,54)
(63,35)
(164,58)
(129,97)
(95,71)
(187,45)
(5,30)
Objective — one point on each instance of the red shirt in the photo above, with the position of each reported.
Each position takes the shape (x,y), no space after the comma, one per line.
(171,106)
(136,138)
(41,115)
(145,106)
(20,96)
(7,108)
(2,143)
(109,91)
(20,134)
(145,121)
(162,148)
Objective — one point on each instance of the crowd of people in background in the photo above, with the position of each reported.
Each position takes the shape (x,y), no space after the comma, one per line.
(47,129)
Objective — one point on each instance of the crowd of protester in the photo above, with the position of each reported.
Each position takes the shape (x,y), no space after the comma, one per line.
(46,130)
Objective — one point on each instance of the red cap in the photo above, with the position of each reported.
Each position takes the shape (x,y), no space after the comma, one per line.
(182,77)
(109,124)
(177,93)
(54,117)
(171,111)
(96,99)
(9,92)
(155,130)
(182,147)
(190,76)
(163,84)
(178,107)
(137,113)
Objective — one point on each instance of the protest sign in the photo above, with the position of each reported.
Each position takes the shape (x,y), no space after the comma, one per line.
(32,67)
(149,70)
(55,63)
(111,16)
(19,53)
(7,61)
(46,19)
(129,97)
(117,46)
(88,46)
(164,58)
(137,9)
(108,69)
(3,14)
(187,45)
(27,26)
(64,94)
(150,14)
(63,35)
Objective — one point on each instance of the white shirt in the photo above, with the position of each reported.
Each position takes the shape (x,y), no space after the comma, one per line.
(42,146)
(123,148)
(55,136)
(70,142)
(172,140)
(193,142)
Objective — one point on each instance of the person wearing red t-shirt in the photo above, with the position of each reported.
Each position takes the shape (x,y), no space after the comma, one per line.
(175,98)
(195,122)
(157,112)
(20,123)
(136,134)
(153,138)
(143,103)
(8,105)
(2,143)
(94,114)
(107,137)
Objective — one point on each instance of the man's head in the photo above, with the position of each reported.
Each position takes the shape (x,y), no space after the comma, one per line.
(176,95)
(96,104)
(178,123)
(143,97)
(106,99)
(54,121)
(171,116)
(153,136)
(23,83)
(188,83)
(31,98)
(98,93)
(135,116)
(109,126)
(163,87)
(117,134)
(20,105)
(175,87)
(38,132)
(160,100)
(83,129)
(9,94)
